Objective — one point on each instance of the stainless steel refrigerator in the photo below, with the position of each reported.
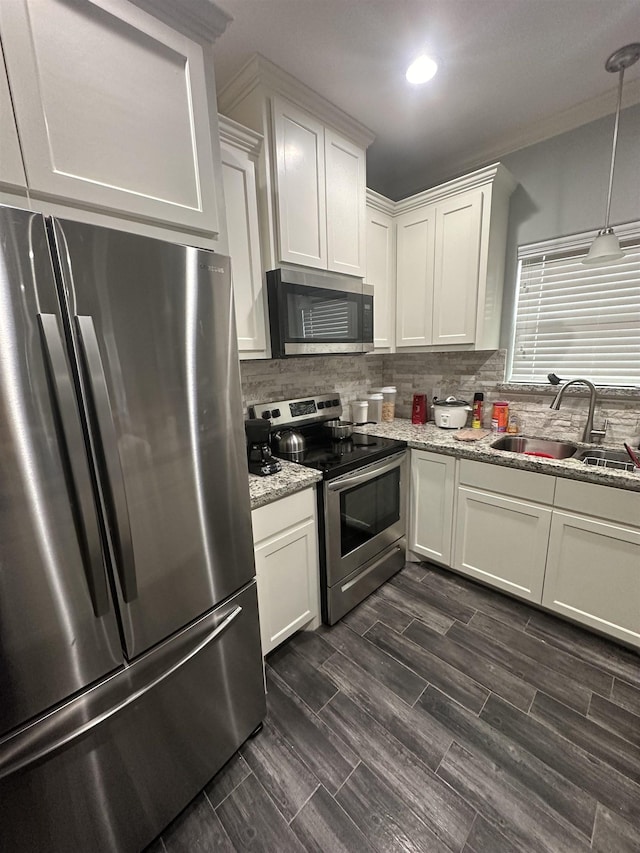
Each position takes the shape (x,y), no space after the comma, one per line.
(130,661)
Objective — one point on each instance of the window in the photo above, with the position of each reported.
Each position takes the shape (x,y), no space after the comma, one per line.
(576,320)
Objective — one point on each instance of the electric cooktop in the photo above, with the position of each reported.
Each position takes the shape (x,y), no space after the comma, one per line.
(331,456)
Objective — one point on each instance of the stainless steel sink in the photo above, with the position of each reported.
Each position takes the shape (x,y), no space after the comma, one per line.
(617,459)
(535,446)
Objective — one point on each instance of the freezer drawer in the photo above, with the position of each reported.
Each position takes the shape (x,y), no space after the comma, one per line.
(112,768)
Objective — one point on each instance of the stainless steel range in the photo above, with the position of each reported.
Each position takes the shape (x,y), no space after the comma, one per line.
(361,499)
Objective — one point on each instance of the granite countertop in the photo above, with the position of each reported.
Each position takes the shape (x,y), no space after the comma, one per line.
(293,478)
(430,437)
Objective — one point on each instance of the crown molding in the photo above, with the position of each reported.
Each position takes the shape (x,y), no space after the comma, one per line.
(260,72)
(200,20)
(381,203)
(561,122)
(239,136)
(495,175)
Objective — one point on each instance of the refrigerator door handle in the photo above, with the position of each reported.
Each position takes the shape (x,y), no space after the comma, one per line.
(62,727)
(97,386)
(64,401)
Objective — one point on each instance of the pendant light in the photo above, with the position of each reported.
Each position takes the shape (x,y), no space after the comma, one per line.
(606,246)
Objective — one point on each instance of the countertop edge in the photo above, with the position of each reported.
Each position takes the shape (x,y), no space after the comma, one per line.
(293,478)
(432,438)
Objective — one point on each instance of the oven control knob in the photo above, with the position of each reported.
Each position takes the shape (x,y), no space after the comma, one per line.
(266,415)
(335,402)
(321,404)
(275,413)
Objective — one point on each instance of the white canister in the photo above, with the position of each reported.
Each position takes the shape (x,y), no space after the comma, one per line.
(388,402)
(359,409)
(375,407)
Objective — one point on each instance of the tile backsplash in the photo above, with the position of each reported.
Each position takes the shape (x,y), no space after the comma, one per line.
(439,374)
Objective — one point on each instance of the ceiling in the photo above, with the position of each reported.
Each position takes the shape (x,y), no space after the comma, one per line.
(511,72)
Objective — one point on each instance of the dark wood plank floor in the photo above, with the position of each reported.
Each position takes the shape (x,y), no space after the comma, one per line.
(437,716)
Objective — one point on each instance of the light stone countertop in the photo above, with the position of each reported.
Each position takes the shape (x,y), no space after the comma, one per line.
(430,437)
(293,478)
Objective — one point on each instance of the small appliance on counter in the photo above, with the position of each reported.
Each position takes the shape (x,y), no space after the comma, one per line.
(361,498)
(259,455)
(450,413)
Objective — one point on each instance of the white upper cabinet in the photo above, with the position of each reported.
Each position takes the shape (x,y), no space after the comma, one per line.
(381,268)
(302,212)
(239,149)
(312,174)
(456,269)
(113,110)
(345,168)
(451,243)
(12,174)
(415,250)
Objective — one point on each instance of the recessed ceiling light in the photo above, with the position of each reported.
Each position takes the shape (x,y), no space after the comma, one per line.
(422,69)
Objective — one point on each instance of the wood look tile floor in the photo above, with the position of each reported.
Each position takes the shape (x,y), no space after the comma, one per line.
(437,716)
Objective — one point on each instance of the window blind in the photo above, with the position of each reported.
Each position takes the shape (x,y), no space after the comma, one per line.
(576,320)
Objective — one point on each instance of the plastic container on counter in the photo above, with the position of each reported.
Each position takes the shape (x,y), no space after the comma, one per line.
(388,402)
(375,406)
(359,410)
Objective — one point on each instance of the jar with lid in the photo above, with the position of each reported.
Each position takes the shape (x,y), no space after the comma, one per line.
(388,402)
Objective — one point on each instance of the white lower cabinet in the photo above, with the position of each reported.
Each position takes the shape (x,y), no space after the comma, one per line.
(571,546)
(432,497)
(286,552)
(502,541)
(593,565)
(502,527)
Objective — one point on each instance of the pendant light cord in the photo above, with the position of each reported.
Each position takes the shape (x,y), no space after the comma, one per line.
(613,150)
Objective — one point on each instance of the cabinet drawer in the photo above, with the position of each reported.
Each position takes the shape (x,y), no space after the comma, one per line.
(508,481)
(282,514)
(619,505)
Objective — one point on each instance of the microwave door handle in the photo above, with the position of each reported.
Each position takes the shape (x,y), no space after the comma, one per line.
(64,401)
(365,476)
(97,387)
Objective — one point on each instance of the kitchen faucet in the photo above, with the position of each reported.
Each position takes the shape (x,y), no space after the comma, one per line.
(589,432)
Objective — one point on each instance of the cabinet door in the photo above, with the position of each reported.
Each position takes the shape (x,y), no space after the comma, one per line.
(241,204)
(381,274)
(415,246)
(593,575)
(502,541)
(112,112)
(287,576)
(11,169)
(346,188)
(457,269)
(432,495)
(302,213)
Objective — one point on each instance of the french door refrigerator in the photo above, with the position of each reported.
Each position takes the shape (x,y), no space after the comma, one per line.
(130,661)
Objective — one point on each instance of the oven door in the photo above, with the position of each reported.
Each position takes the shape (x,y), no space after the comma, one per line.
(365,513)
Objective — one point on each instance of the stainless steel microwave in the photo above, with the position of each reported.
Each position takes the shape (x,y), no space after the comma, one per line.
(316,313)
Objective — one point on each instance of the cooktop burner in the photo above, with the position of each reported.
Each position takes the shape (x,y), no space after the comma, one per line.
(330,456)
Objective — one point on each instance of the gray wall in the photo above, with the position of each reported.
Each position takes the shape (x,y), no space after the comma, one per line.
(563,189)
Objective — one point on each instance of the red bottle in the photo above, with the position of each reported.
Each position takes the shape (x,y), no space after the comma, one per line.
(419,409)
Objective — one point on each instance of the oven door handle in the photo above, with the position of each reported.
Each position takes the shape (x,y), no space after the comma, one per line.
(371,473)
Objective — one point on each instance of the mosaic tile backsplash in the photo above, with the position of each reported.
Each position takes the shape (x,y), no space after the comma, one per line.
(438,374)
